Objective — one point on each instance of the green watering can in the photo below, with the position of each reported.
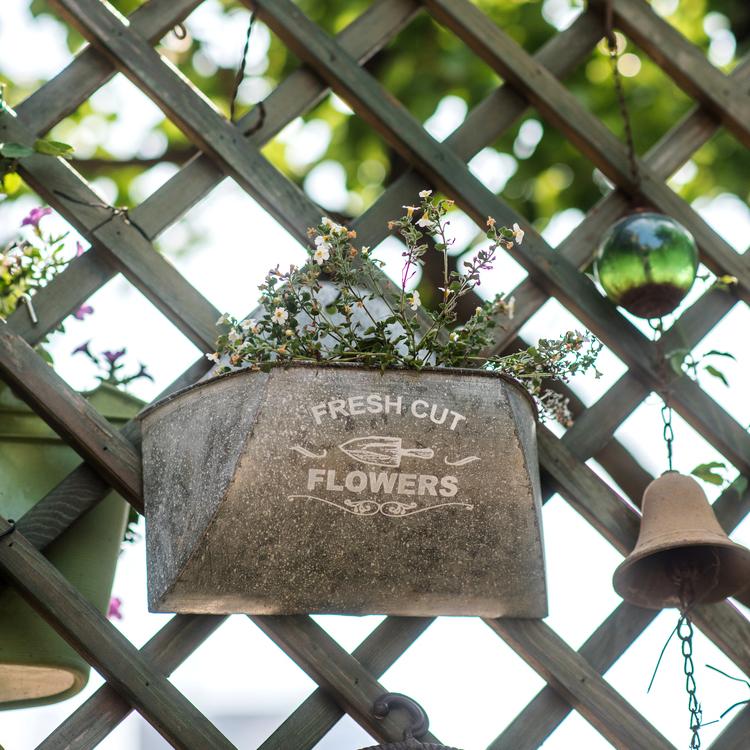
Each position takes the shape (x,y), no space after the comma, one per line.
(36,665)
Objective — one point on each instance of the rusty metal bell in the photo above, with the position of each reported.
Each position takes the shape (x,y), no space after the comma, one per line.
(682,556)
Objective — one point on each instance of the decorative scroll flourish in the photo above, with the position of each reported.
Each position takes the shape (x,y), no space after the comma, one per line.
(308,454)
(462,461)
(389,508)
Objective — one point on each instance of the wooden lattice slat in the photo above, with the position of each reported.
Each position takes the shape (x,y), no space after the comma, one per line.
(348,683)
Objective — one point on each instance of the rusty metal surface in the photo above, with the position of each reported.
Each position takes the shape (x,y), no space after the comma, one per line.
(347,490)
(683,556)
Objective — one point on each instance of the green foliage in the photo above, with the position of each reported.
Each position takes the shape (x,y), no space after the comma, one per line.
(709,472)
(420,67)
(354,316)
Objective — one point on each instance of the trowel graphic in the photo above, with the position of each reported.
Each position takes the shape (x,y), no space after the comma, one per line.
(376,450)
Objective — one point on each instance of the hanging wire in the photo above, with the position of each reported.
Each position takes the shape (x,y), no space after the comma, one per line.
(238,81)
(113,211)
(614,58)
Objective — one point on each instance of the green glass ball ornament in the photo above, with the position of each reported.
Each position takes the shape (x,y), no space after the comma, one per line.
(647,263)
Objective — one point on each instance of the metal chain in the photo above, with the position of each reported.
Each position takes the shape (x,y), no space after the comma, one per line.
(685,634)
(614,58)
(657,326)
(668,433)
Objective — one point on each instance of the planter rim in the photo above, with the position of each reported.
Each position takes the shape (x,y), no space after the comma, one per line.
(465,371)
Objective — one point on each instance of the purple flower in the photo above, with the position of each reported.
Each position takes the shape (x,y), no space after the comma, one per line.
(80,249)
(113,611)
(83,311)
(112,357)
(83,349)
(35,216)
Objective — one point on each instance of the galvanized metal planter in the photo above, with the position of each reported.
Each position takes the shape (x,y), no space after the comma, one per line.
(341,489)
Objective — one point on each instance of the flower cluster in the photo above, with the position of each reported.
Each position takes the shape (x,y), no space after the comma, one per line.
(340,307)
(110,366)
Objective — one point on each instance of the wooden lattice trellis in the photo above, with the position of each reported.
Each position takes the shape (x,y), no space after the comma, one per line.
(348,682)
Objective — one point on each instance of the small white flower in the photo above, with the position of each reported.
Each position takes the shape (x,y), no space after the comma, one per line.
(454,336)
(322,251)
(280,315)
(510,309)
(410,210)
(248,325)
(222,320)
(213,357)
(518,233)
(234,336)
(425,222)
(333,226)
(425,193)
(414,300)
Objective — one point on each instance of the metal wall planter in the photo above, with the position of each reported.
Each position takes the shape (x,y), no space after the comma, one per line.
(36,665)
(340,489)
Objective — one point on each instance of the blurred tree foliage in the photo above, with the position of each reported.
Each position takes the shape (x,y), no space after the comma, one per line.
(428,69)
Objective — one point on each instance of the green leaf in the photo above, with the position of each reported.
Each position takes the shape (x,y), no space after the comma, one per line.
(676,360)
(707,472)
(15,150)
(53,148)
(711,370)
(716,353)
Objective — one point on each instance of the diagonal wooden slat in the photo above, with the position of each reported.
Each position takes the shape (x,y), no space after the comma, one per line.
(582,686)
(90,70)
(585,131)
(120,250)
(449,173)
(113,656)
(93,720)
(70,415)
(686,64)
(128,250)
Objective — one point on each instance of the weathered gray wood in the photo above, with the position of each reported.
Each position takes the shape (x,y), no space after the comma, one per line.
(449,173)
(546,711)
(93,720)
(70,415)
(83,487)
(686,64)
(62,95)
(583,687)
(585,131)
(295,95)
(734,736)
(313,718)
(159,281)
(339,674)
(100,643)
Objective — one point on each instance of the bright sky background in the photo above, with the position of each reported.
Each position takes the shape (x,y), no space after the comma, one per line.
(468,680)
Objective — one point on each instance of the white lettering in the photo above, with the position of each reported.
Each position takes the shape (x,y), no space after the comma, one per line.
(356,405)
(427,483)
(318,411)
(331,482)
(414,405)
(382,482)
(407,484)
(375,403)
(337,406)
(456,419)
(393,402)
(448,486)
(359,484)
(314,476)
